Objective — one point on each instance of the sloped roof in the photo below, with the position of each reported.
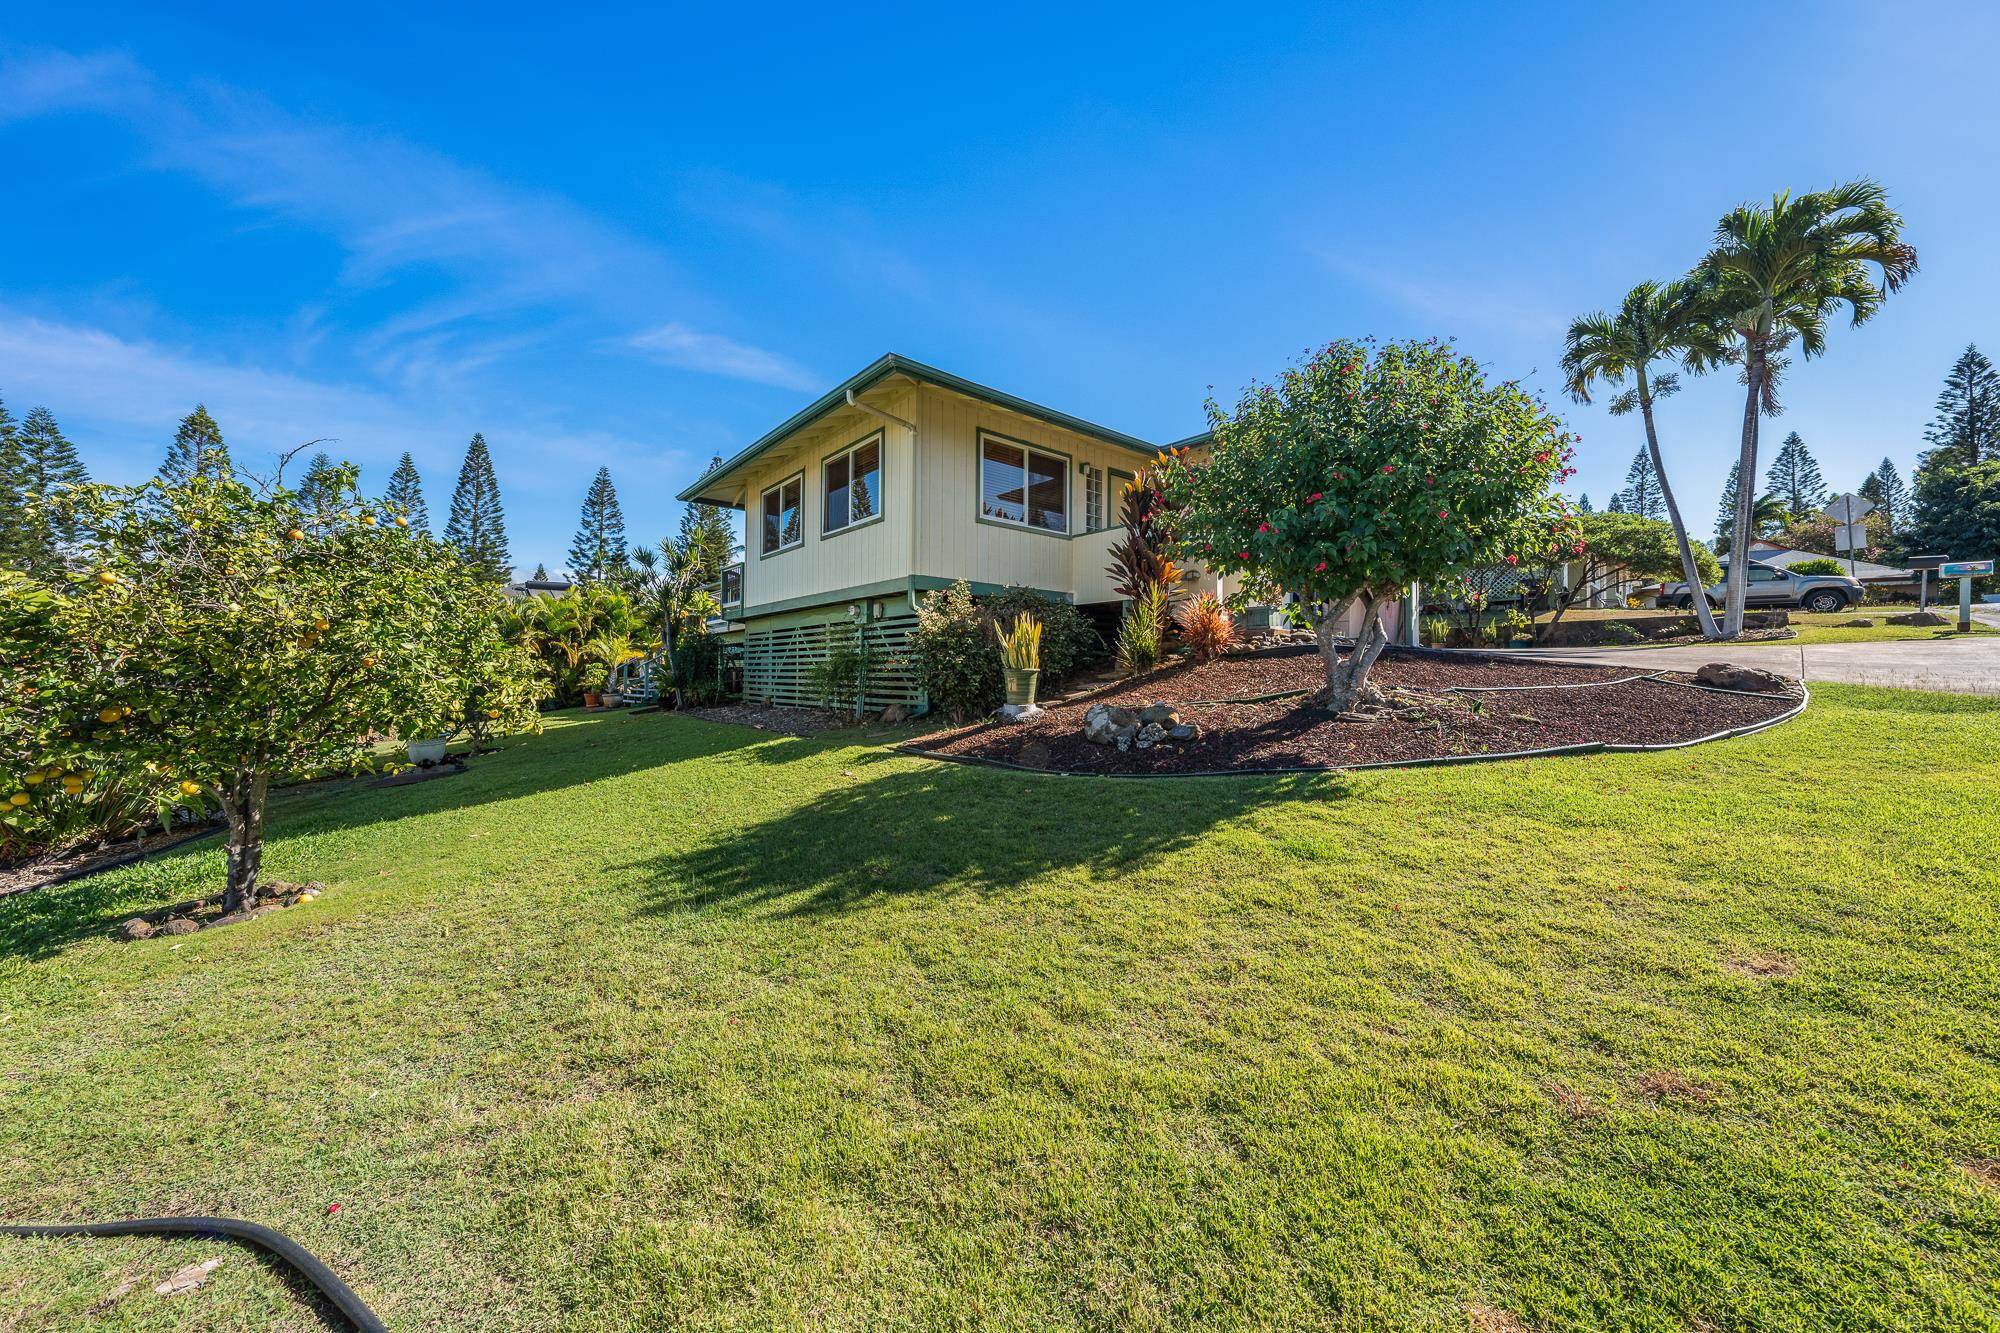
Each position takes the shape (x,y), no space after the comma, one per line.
(1784,557)
(892,364)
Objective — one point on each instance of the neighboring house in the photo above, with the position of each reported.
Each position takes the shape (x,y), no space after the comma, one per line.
(536,587)
(901,479)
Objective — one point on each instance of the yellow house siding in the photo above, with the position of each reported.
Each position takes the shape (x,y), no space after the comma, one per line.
(827,562)
(952,541)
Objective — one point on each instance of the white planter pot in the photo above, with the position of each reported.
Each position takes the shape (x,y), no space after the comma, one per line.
(427,751)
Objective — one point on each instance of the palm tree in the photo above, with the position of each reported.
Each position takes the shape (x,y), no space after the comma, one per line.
(1655,323)
(1777,273)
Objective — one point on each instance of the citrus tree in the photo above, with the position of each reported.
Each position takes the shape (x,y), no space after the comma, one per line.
(1362,470)
(221,636)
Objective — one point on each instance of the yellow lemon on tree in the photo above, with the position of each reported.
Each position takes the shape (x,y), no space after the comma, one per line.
(73,786)
(296,535)
(402,522)
(18,798)
(108,715)
(35,779)
(106,577)
(368,520)
(368,661)
(322,623)
(190,788)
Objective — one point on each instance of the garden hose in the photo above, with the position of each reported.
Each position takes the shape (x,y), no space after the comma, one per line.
(329,1285)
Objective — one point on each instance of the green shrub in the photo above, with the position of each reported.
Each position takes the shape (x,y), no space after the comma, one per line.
(1142,633)
(953,654)
(1516,624)
(1617,631)
(839,678)
(698,669)
(1824,564)
(1069,641)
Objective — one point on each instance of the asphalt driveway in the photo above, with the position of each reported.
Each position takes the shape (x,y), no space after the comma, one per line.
(1969,665)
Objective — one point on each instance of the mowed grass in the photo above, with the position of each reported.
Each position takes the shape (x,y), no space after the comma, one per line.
(1833,627)
(648,1022)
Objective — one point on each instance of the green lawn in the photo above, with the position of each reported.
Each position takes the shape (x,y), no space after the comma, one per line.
(1832,627)
(655,1023)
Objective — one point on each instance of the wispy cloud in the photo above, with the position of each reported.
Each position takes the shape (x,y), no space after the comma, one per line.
(396,209)
(711,353)
(1450,304)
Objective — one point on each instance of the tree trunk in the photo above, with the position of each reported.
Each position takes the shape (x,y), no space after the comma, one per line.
(1347,677)
(243,806)
(1689,570)
(1737,586)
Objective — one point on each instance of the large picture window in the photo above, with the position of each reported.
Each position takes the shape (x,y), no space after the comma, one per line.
(1018,484)
(783,517)
(853,486)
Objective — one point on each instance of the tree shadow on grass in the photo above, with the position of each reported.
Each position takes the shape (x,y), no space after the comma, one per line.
(40,923)
(903,825)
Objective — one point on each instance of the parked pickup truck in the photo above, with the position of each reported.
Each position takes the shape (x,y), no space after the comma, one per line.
(1771,586)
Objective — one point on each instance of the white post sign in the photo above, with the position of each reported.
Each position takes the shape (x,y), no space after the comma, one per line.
(1850,532)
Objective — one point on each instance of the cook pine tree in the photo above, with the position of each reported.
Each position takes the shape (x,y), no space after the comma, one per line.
(1891,497)
(1642,488)
(15,529)
(1794,478)
(405,496)
(1725,510)
(477,529)
(598,550)
(1966,428)
(37,463)
(198,450)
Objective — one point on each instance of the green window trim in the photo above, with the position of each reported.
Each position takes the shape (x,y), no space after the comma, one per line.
(879,438)
(1027,446)
(783,545)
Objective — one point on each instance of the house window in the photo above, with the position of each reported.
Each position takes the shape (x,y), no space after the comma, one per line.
(783,528)
(732,585)
(1093,498)
(853,486)
(1022,485)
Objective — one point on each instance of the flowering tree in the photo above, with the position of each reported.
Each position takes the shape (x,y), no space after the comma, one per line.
(224,636)
(1362,470)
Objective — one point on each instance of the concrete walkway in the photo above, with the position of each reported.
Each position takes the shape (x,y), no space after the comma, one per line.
(1960,666)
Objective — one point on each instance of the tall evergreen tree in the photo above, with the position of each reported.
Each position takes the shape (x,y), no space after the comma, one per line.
(1725,513)
(16,531)
(49,466)
(1967,426)
(477,529)
(541,572)
(1885,487)
(197,451)
(1617,505)
(598,550)
(709,529)
(405,495)
(319,488)
(1795,479)
(1955,508)
(1642,488)
(1583,503)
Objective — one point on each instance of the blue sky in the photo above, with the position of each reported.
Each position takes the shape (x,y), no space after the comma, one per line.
(642,241)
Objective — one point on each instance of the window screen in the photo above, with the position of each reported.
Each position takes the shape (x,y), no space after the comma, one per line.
(854,485)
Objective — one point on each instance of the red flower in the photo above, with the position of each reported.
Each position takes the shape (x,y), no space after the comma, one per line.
(1320,568)
(1315,496)
(1444,513)
(1242,555)
(1513,559)
(1263,527)
(1387,468)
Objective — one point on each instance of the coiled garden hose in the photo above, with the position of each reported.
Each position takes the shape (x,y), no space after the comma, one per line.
(329,1285)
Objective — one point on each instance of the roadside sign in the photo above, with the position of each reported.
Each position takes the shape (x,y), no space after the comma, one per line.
(1965,569)
(1850,536)
(1849,508)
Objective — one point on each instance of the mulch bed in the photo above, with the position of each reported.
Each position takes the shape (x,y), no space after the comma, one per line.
(88,859)
(1426,718)
(767,717)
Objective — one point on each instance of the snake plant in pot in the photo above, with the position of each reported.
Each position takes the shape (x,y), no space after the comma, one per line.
(1021,660)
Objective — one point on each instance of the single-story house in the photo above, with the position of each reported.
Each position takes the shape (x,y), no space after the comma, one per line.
(904,478)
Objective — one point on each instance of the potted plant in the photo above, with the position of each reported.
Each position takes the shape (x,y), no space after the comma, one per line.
(594,676)
(1021,660)
(427,751)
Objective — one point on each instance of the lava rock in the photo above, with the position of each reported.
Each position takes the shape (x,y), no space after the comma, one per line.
(1108,724)
(1149,735)
(1163,714)
(178,925)
(1183,731)
(1729,676)
(1918,618)
(1859,622)
(138,928)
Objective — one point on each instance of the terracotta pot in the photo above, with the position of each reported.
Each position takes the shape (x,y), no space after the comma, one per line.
(591,699)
